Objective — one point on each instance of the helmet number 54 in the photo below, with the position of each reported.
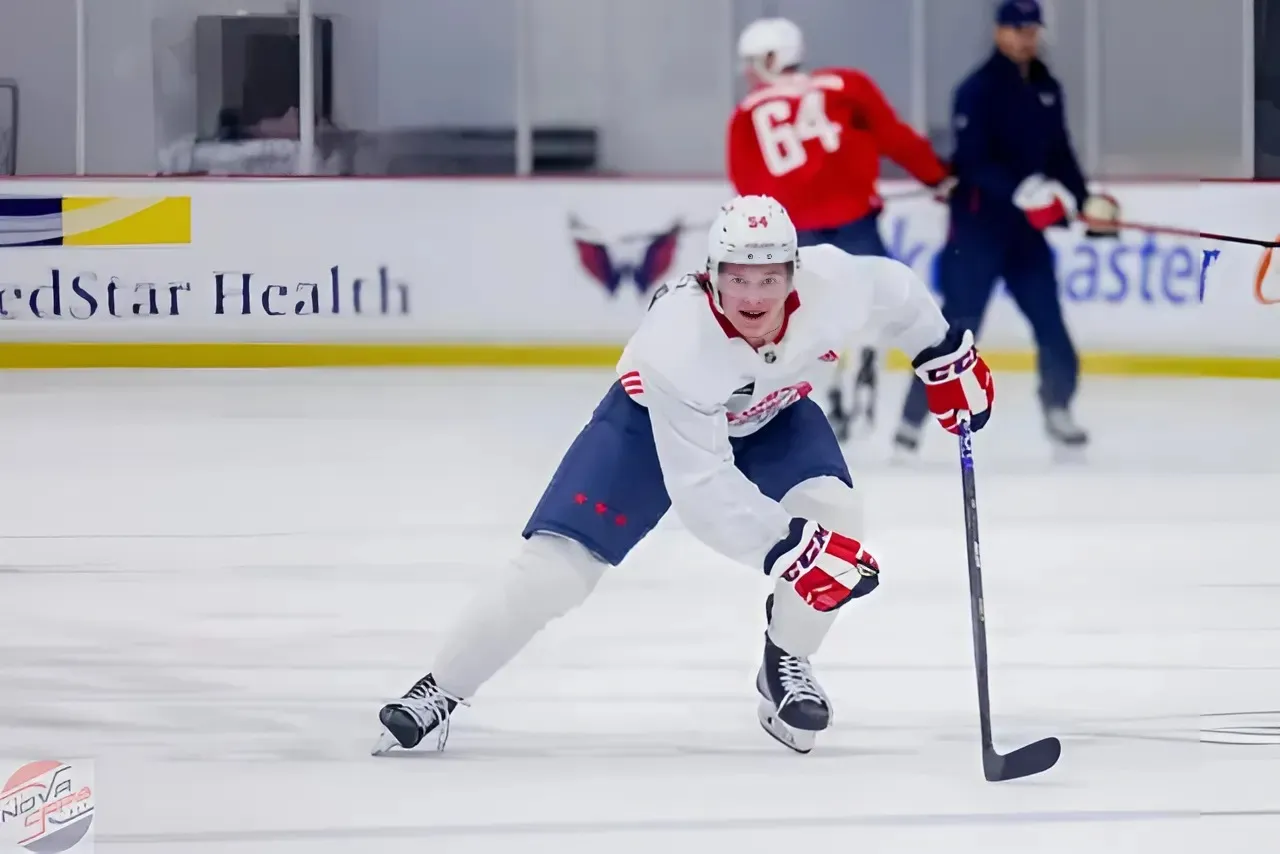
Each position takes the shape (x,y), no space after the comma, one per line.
(782,133)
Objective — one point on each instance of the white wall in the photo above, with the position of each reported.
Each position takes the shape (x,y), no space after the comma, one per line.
(400,63)
(140,60)
(441,61)
(141,89)
(557,75)
(38,48)
(656,76)
(665,108)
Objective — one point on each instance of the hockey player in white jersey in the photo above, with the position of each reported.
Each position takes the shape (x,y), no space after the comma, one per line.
(711,415)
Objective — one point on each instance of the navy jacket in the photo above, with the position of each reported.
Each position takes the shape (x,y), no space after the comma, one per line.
(1006,129)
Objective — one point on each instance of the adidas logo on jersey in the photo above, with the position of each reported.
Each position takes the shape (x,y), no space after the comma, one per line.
(829,356)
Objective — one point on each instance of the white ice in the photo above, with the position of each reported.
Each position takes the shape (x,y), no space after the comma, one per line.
(210,581)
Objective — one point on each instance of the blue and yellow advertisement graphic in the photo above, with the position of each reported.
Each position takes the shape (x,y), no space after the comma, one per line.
(94,221)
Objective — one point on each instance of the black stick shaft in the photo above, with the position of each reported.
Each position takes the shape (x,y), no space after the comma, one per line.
(977,607)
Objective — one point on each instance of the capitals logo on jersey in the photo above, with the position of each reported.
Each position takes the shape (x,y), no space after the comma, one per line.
(645,267)
(770,405)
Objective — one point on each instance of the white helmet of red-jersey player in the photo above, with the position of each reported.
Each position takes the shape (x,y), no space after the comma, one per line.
(769,45)
(751,230)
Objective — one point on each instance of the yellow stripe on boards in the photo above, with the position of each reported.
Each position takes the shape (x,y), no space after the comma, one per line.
(162,221)
(29,355)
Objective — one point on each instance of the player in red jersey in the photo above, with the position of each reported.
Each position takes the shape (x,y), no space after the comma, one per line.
(813,141)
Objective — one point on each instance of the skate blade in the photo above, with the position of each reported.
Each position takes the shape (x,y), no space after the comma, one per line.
(386,743)
(799,740)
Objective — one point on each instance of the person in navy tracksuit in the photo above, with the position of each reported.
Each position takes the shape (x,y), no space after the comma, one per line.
(1016,175)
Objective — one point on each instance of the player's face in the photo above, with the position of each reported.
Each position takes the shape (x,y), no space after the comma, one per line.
(753,295)
(1021,44)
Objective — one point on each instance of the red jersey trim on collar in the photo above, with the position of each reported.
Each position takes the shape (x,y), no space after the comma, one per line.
(789,307)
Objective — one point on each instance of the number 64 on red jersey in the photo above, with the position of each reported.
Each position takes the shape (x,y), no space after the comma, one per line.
(814,142)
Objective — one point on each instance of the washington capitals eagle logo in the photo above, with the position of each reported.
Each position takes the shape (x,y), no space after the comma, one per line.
(597,258)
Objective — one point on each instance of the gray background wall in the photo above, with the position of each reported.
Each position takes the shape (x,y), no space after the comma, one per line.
(656,76)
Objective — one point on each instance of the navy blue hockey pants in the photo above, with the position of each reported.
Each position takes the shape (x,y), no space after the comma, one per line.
(975,256)
(608,491)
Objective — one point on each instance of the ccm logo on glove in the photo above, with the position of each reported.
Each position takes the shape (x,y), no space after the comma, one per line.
(957,381)
(825,568)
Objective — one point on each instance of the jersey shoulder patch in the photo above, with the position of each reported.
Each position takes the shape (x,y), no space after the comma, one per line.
(688,285)
(681,341)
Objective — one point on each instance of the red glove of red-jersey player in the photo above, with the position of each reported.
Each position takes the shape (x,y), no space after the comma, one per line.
(956,380)
(1044,202)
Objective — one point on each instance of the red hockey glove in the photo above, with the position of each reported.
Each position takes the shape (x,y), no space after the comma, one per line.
(956,380)
(1044,202)
(826,569)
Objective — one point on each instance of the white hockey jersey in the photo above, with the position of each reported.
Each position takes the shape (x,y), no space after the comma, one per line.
(703,383)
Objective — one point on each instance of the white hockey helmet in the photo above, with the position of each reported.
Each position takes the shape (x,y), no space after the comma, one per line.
(769,45)
(751,230)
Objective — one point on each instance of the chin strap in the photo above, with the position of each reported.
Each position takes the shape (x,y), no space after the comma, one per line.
(709,282)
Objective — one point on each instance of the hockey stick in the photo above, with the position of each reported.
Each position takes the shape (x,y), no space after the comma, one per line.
(1033,758)
(1178,232)
(914,193)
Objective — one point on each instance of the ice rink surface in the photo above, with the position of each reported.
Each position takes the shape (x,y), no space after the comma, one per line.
(210,581)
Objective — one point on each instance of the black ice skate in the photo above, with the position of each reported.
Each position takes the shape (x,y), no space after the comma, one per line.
(1063,430)
(422,710)
(838,417)
(793,707)
(906,441)
(862,411)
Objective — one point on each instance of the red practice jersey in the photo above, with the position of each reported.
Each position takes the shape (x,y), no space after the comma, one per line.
(814,140)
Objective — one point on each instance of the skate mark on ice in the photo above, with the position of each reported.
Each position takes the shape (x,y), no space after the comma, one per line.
(658,825)
(380,666)
(452,527)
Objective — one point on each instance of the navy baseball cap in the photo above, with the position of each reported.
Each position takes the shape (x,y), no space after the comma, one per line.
(1019,13)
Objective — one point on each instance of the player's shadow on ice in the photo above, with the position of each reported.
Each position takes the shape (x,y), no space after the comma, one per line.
(501,745)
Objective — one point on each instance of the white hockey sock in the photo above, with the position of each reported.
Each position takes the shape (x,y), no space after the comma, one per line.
(797,627)
(548,578)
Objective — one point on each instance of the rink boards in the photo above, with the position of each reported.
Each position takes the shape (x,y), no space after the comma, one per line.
(547,272)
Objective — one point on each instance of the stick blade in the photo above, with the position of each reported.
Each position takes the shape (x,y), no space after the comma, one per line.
(1033,759)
